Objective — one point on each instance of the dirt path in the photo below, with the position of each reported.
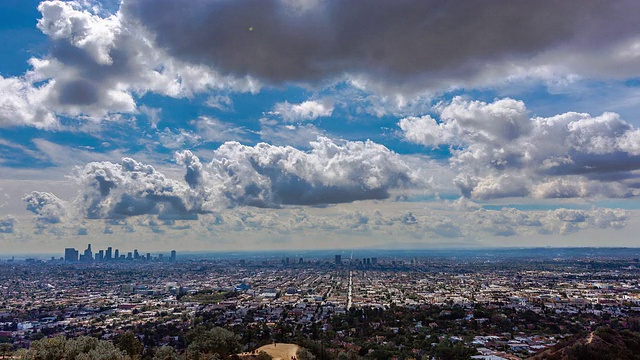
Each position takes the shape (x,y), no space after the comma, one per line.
(279,351)
(590,338)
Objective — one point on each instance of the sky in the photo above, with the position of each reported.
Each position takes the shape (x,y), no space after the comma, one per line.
(229,125)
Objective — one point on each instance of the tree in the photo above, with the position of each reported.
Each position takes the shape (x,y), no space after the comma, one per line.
(81,348)
(5,349)
(165,353)
(263,356)
(304,354)
(446,350)
(215,341)
(129,343)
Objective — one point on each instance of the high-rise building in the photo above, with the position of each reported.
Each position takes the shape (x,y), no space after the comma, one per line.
(100,255)
(374,260)
(136,255)
(116,254)
(130,255)
(173,255)
(70,255)
(88,254)
(148,256)
(338,259)
(108,255)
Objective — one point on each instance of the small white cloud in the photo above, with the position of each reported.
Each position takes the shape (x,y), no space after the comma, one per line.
(220,102)
(305,111)
(212,129)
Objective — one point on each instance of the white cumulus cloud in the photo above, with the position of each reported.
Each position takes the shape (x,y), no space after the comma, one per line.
(305,111)
(499,151)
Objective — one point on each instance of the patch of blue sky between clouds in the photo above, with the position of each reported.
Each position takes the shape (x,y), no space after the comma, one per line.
(20,40)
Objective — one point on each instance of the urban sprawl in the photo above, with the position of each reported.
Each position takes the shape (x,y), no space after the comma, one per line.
(399,307)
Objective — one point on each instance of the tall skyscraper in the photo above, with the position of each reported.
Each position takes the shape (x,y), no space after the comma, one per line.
(338,259)
(136,255)
(70,255)
(173,255)
(88,254)
(116,254)
(109,254)
(100,255)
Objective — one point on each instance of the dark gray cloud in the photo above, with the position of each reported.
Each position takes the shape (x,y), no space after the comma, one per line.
(307,40)
(100,63)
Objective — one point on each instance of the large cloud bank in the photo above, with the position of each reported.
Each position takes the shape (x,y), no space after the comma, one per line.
(263,175)
(306,40)
(498,151)
(99,63)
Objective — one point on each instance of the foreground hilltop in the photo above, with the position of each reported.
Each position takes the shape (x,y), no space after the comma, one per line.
(601,344)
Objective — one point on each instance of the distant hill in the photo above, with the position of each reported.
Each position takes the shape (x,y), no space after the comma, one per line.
(602,344)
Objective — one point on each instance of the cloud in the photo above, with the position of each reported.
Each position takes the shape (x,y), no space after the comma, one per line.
(195,176)
(47,207)
(397,53)
(267,175)
(98,64)
(130,188)
(21,105)
(305,111)
(263,176)
(475,224)
(499,151)
(220,102)
(212,129)
(179,139)
(510,221)
(4,198)
(298,135)
(7,224)
(396,42)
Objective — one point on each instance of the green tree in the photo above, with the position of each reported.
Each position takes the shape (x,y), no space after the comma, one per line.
(304,354)
(263,356)
(129,343)
(5,349)
(215,341)
(165,353)
(445,350)
(81,348)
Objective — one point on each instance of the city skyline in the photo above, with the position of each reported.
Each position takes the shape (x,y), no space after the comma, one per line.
(259,125)
(109,254)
